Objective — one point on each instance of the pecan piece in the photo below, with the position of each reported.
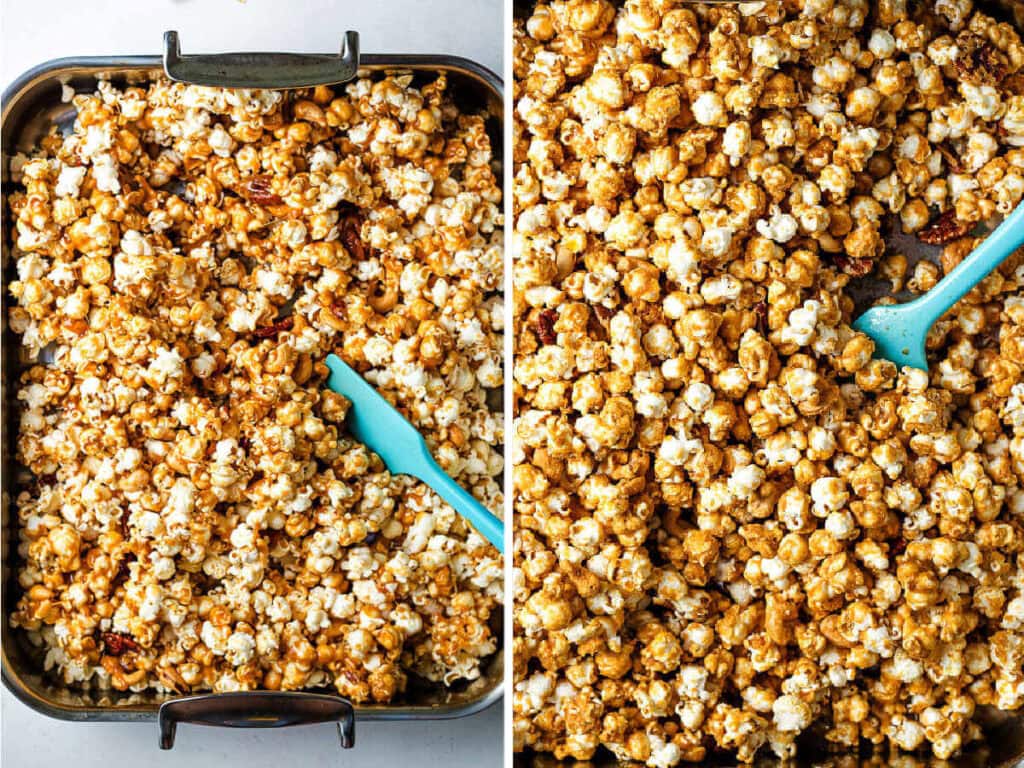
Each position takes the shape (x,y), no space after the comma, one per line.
(978,61)
(944,229)
(258,190)
(124,571)
(761,312)
(351,238)
(116,643)
(546,326)
(271,331)
(854,266)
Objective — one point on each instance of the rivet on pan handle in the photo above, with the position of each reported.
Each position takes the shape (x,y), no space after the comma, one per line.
(257,709)
(262,70)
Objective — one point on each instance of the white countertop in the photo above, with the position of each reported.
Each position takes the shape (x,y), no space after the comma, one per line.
(36,30)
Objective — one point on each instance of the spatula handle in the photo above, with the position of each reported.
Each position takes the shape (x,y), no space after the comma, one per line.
(463,502)
(993,251)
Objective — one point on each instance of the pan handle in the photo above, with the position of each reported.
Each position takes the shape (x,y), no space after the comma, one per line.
(262,70)
(257,709)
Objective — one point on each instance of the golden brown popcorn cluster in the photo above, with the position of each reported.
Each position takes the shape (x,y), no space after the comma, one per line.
(196,516)
(732,524)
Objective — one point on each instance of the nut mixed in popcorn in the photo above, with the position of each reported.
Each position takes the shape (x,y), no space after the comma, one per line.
(195,516)
(732,524)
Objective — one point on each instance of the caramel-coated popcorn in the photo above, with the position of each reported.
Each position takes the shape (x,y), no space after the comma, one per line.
(732,524)
(196,516)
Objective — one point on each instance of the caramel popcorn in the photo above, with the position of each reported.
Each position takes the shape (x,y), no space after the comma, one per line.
(195,516)
(732,525)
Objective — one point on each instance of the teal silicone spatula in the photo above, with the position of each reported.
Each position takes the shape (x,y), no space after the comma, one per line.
(899,330)
(374,422)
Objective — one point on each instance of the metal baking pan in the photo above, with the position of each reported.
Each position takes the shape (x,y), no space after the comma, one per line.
(1003,743)
(32,105)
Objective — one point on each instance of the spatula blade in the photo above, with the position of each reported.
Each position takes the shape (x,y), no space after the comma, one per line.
(898,332)
(375,422)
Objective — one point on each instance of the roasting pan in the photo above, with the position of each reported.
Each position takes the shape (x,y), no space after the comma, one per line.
(32,105)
